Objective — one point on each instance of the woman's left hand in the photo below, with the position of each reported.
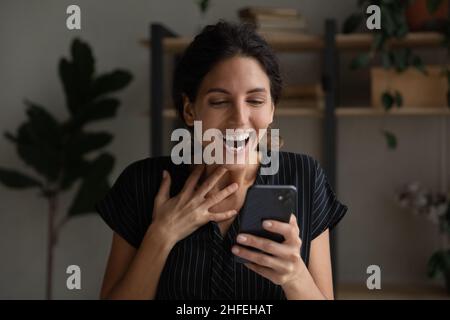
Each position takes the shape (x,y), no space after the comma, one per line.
(282,264)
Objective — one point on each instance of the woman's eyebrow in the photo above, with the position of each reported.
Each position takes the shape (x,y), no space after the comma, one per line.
(220,90)
(257,90)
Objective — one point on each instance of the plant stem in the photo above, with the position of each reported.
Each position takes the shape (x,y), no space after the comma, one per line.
(52,207)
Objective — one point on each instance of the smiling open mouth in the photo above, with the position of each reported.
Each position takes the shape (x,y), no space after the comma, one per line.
(236,142)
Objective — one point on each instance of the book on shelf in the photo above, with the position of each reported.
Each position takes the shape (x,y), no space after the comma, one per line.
(272,20)
(267,11)
(278,23)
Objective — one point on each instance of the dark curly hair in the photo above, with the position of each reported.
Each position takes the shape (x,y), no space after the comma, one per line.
(214,44)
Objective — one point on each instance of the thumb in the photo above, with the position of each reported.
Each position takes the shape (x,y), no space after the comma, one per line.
(164,189)
(293,219)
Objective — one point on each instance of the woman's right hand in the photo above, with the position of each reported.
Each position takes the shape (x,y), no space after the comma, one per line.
(178,217)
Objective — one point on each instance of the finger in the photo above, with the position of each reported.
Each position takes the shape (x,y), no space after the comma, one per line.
(287,230)
(211,181)
(266,245)
(219,196)
(164,190)
(261,259)
(192,180)
(221,216)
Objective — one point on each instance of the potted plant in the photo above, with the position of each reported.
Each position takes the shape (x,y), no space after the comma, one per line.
(395,25)
(436,207)
(64,152)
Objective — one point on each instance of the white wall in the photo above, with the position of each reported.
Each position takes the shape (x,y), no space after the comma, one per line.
(33,37)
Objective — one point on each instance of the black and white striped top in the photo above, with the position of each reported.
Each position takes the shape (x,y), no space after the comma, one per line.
(203,262)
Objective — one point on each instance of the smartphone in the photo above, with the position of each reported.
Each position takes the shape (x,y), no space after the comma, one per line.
(266,202)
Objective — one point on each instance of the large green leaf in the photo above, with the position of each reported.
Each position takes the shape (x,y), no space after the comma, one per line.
(110,82)
(45,127)
(66,74)
(85,142)
(37,153)
(94,186)
(98,110)
(10,137)
(73,170)
(83,61)
(15,179)
(388,100)
(76,75)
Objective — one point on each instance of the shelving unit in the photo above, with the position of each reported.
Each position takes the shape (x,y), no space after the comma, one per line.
(163,41)
(341,112)
(299,43)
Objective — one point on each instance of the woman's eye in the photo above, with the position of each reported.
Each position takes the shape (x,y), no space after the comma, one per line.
(217,103)
(256,102)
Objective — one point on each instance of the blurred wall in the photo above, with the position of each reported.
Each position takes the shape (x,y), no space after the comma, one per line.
(33,37)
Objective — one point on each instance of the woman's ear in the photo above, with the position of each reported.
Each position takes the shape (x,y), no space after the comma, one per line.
(272,112)
(188,111)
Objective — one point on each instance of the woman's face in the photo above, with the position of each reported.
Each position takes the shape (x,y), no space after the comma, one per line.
(235,94)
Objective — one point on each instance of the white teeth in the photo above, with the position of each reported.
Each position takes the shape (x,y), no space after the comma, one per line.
(237,137)
(240,148)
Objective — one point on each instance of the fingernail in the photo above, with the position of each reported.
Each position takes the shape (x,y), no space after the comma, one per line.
(164,173)
(267,224)
(235,250)
(241,238)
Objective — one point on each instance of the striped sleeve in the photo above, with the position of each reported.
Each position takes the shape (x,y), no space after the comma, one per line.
(327,211)
(118,208)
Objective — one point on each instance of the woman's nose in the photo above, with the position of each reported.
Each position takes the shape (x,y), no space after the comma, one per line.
(239,114)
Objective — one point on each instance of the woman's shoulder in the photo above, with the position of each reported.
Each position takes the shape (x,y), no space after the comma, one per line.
(297,161)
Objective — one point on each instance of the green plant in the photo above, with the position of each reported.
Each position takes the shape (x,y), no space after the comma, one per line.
(435,206)
(440,263)
(393,26)
(203,5)
(61,152)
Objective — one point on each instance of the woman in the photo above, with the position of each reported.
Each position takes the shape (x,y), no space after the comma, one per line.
(176,225)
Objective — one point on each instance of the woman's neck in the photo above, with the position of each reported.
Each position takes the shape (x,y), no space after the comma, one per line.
(244,176)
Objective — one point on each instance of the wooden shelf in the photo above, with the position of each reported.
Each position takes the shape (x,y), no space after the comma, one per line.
(306,42)
(286,43)
(347,112)
(364,40)
(404,111)
(280,112)
(391,292)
